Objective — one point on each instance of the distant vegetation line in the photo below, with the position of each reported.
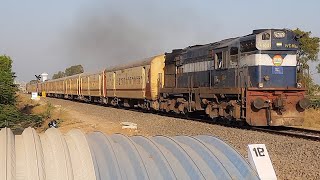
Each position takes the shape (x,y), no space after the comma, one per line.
(72,70)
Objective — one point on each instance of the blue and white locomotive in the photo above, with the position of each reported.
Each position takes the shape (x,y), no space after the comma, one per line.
(252,78)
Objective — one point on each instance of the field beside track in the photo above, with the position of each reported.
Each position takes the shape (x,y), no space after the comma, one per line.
(312,119)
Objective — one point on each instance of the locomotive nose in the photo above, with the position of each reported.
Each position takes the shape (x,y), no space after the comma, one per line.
(304,103)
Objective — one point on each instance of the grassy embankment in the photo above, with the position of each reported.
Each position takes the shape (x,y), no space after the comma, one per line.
(42,108)
(48,111)
(312,119)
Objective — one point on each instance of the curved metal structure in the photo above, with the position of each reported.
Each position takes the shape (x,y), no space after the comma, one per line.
(76,156)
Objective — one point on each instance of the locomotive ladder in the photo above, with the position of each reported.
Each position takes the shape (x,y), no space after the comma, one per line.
(190,90)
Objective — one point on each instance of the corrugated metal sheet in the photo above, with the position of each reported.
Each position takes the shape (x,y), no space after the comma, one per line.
(77,156)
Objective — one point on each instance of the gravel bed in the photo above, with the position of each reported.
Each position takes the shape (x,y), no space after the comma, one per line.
(292,158)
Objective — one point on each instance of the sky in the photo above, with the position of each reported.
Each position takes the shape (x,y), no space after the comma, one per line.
(49,36)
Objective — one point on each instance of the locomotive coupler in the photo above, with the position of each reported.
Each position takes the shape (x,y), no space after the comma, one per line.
(279,104)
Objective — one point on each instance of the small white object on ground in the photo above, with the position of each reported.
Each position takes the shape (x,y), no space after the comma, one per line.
(34,95)
(260,160)
(128,125)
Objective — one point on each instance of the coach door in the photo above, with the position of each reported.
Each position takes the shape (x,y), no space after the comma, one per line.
(145,82)
(233,64)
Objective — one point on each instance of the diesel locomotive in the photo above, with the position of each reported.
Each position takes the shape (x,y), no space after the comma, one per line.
(251,79)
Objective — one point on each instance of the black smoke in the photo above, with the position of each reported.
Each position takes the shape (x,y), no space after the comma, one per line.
(114,34)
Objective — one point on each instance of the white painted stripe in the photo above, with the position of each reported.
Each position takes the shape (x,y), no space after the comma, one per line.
(266,60)
(198,66)
(249,60)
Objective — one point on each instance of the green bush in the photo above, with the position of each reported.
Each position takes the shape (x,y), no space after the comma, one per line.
(7,87)
(48,110)
(10,115)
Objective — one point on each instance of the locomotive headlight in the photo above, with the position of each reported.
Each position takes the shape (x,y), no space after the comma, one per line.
(279,34)
(299,85)
(266,78)
(260,85)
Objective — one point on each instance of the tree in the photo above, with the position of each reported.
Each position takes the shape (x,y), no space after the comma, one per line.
(60,74)
(10,115)
(308,51)
(72,70)
(7,87)
(77,69)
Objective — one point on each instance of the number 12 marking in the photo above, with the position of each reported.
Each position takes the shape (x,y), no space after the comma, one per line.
(259,152)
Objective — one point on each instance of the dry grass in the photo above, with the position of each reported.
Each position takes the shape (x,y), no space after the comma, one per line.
(42,108)
(66,119)
(312,118)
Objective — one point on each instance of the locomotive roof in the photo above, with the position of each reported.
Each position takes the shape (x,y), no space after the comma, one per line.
(229,41)
(224,43)
(215,45)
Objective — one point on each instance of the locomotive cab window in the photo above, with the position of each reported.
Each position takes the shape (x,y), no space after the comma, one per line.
(218,60)
(234,55)
(265,36)
(221,60)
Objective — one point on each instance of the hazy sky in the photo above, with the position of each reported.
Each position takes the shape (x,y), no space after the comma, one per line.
(43,36)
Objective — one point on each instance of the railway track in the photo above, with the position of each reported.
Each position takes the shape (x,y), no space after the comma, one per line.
(279,130)
(291,131)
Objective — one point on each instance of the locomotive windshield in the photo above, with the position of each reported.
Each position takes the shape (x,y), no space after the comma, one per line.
(276,40)
(269,40)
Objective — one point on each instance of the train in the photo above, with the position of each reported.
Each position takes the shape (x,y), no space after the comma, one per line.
(250,79)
